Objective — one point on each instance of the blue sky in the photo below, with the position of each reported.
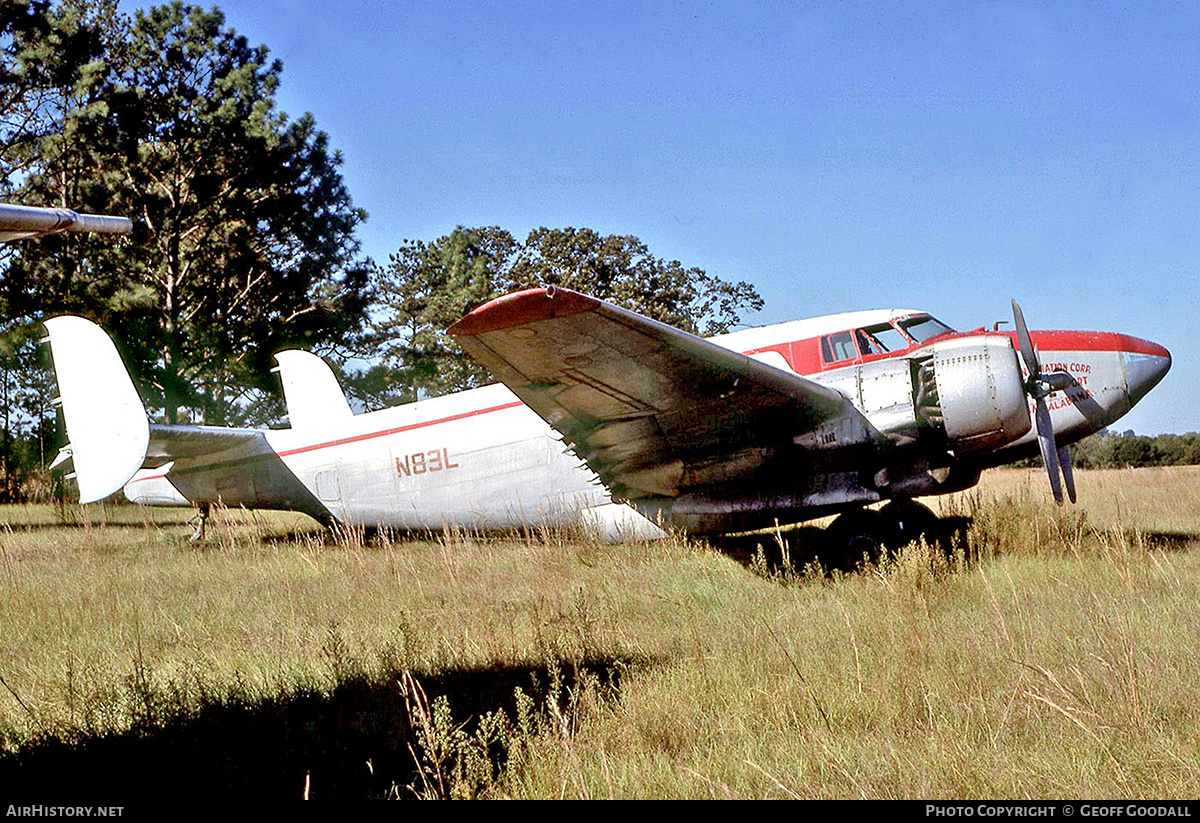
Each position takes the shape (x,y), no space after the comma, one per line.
(944,156)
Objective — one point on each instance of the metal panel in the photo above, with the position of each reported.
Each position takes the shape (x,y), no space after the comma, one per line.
(981,392)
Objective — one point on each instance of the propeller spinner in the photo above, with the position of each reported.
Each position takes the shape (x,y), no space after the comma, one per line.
(1038,386)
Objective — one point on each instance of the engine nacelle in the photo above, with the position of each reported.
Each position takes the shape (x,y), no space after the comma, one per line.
(980,392)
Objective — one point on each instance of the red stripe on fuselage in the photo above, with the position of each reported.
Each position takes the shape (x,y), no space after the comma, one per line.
(371,435)
(398,429)
(1092,341)
(1045,340)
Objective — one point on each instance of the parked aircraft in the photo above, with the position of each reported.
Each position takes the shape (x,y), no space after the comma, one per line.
(21,222)
(626,424)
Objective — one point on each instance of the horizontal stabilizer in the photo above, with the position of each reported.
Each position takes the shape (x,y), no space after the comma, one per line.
(106,422)
(192,446)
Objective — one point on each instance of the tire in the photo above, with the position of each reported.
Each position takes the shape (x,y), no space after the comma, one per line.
(909,521)
(859,535)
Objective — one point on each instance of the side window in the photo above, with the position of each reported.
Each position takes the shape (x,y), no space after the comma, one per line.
(838,347)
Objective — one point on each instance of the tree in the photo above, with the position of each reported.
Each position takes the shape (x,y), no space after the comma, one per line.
(621,269)
(1115,450)
(245,231)
(50,69)
(426,286)
(45,57)
(250,242)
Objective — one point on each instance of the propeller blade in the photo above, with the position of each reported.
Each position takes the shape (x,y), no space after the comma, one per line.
(1038,387)
(1068,472)
(1045,436)
(1057,380)
(1025,344)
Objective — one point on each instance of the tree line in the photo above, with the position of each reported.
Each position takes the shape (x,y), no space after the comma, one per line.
(1118,450)
(245,240)
(245,235)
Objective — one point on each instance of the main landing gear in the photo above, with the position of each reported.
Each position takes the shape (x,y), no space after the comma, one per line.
(867,533)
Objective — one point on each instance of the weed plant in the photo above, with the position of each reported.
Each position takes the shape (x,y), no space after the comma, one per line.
(1050,655)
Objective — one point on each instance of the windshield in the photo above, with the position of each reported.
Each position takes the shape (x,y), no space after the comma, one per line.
(881,338)
(924,327)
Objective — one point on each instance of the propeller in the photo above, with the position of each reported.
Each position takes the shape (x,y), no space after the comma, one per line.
(1039,385)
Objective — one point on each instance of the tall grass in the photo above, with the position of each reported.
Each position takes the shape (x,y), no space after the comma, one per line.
(1052,655)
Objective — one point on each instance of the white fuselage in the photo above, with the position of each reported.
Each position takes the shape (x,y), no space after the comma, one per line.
(482,459)
(478,458)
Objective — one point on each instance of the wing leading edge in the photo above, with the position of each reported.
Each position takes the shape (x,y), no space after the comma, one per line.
(21,222)
(652,410)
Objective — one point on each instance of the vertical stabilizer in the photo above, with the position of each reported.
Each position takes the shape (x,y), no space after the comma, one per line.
(106,422)
(314,398)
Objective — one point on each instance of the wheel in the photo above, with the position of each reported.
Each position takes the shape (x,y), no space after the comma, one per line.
(909,520)
(859,534)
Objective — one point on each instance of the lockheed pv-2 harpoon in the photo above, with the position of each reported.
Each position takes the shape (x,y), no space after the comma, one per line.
(605,416)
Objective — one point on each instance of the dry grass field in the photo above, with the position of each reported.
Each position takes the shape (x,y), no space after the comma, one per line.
(1051,654)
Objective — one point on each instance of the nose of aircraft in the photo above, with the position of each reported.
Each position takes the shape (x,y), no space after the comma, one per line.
(1144,363)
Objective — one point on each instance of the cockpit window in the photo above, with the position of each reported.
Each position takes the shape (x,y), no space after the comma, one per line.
(838,347)
(880,339)
(923,327)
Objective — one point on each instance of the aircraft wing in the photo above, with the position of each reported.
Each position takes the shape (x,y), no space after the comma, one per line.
(20,222)
(651,409)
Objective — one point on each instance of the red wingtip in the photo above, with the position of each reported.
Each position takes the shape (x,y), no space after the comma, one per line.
(521,308)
